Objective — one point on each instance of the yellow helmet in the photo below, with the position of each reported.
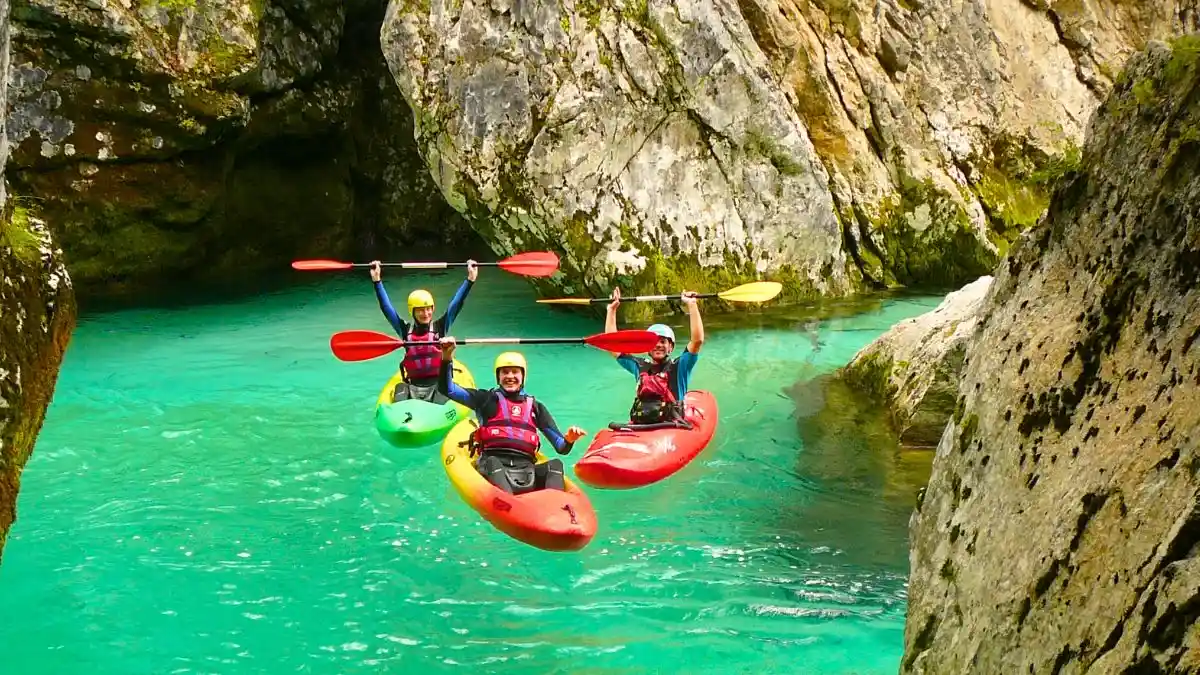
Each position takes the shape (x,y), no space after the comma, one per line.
(511,360)
(419,298)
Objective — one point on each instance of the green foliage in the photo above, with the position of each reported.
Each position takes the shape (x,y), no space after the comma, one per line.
(927,239)
(759,144)
(1154,91)
(16,235)
(1185,52)
(1143,92)
(174,6)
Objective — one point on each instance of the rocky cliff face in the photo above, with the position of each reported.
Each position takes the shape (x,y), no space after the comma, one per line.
(181,140)
(836,145)
(37,315)
(1059,530)
(913,369)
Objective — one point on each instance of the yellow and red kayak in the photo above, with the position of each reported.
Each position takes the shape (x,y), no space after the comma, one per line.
(552,520)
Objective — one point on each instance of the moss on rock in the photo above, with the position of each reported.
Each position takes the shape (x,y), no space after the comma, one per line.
(664,275)
(913,368)
(927,239)
(16,235)
(37,316)
(872,374)
(1014,185)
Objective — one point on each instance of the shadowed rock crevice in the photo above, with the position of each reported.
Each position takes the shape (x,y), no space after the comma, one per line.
(213,142)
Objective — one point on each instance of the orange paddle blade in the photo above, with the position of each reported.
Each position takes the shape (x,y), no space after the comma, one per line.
(321,265)
(624,341)
(532,264)
(362,345)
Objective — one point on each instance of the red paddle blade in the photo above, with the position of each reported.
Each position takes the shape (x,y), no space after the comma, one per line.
(321,265)
(362,345)
(624,341)
(533,264)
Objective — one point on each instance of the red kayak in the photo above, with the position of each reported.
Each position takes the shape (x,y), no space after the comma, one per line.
(634,456)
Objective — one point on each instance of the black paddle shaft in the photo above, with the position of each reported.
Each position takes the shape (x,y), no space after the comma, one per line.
(653,298)
(506,341)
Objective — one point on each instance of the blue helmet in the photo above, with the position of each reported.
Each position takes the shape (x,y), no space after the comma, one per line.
(663,330)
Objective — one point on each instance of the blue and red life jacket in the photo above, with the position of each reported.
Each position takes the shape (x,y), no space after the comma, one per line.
(511,427)
(422,362)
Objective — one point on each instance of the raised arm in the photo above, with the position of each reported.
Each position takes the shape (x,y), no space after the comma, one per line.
(610,318)
(460,296)
(696,339)
(385,305)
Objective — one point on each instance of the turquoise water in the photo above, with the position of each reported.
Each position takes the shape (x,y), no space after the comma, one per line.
(208,495)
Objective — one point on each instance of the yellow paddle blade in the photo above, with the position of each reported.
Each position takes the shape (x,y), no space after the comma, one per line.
(755,291)
(566,301)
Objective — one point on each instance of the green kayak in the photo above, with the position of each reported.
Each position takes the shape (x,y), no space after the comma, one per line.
(415,423)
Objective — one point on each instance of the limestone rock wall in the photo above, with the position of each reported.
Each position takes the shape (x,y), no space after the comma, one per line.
(836,145)
(1059,529)
(914,368)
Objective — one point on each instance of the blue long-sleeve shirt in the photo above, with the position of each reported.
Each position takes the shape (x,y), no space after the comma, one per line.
(483,402)
(441,325)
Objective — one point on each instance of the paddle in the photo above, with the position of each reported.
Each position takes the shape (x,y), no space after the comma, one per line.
(532,264)
(362,345)
(755,291)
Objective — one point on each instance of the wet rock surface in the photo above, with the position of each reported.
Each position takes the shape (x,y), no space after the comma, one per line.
(37,315)
(914,368)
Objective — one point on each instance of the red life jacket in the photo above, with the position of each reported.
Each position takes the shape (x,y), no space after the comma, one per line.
(423,362)
(511,427)
(655,384)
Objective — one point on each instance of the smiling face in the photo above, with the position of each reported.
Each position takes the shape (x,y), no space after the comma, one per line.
(662,350)
(423,314)
(510,378)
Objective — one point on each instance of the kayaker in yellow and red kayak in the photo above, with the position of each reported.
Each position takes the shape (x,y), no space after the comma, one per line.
(662,382)
(421,363)
(507,439)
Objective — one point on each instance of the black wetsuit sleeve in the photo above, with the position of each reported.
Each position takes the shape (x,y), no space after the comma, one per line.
(475,399)
(545,422)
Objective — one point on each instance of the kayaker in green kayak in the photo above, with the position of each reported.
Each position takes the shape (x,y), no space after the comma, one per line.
(422,363)
(507,439)
(662,382)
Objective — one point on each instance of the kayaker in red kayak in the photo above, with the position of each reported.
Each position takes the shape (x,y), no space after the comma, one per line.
(507,440)
(422,363)
(662,382)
